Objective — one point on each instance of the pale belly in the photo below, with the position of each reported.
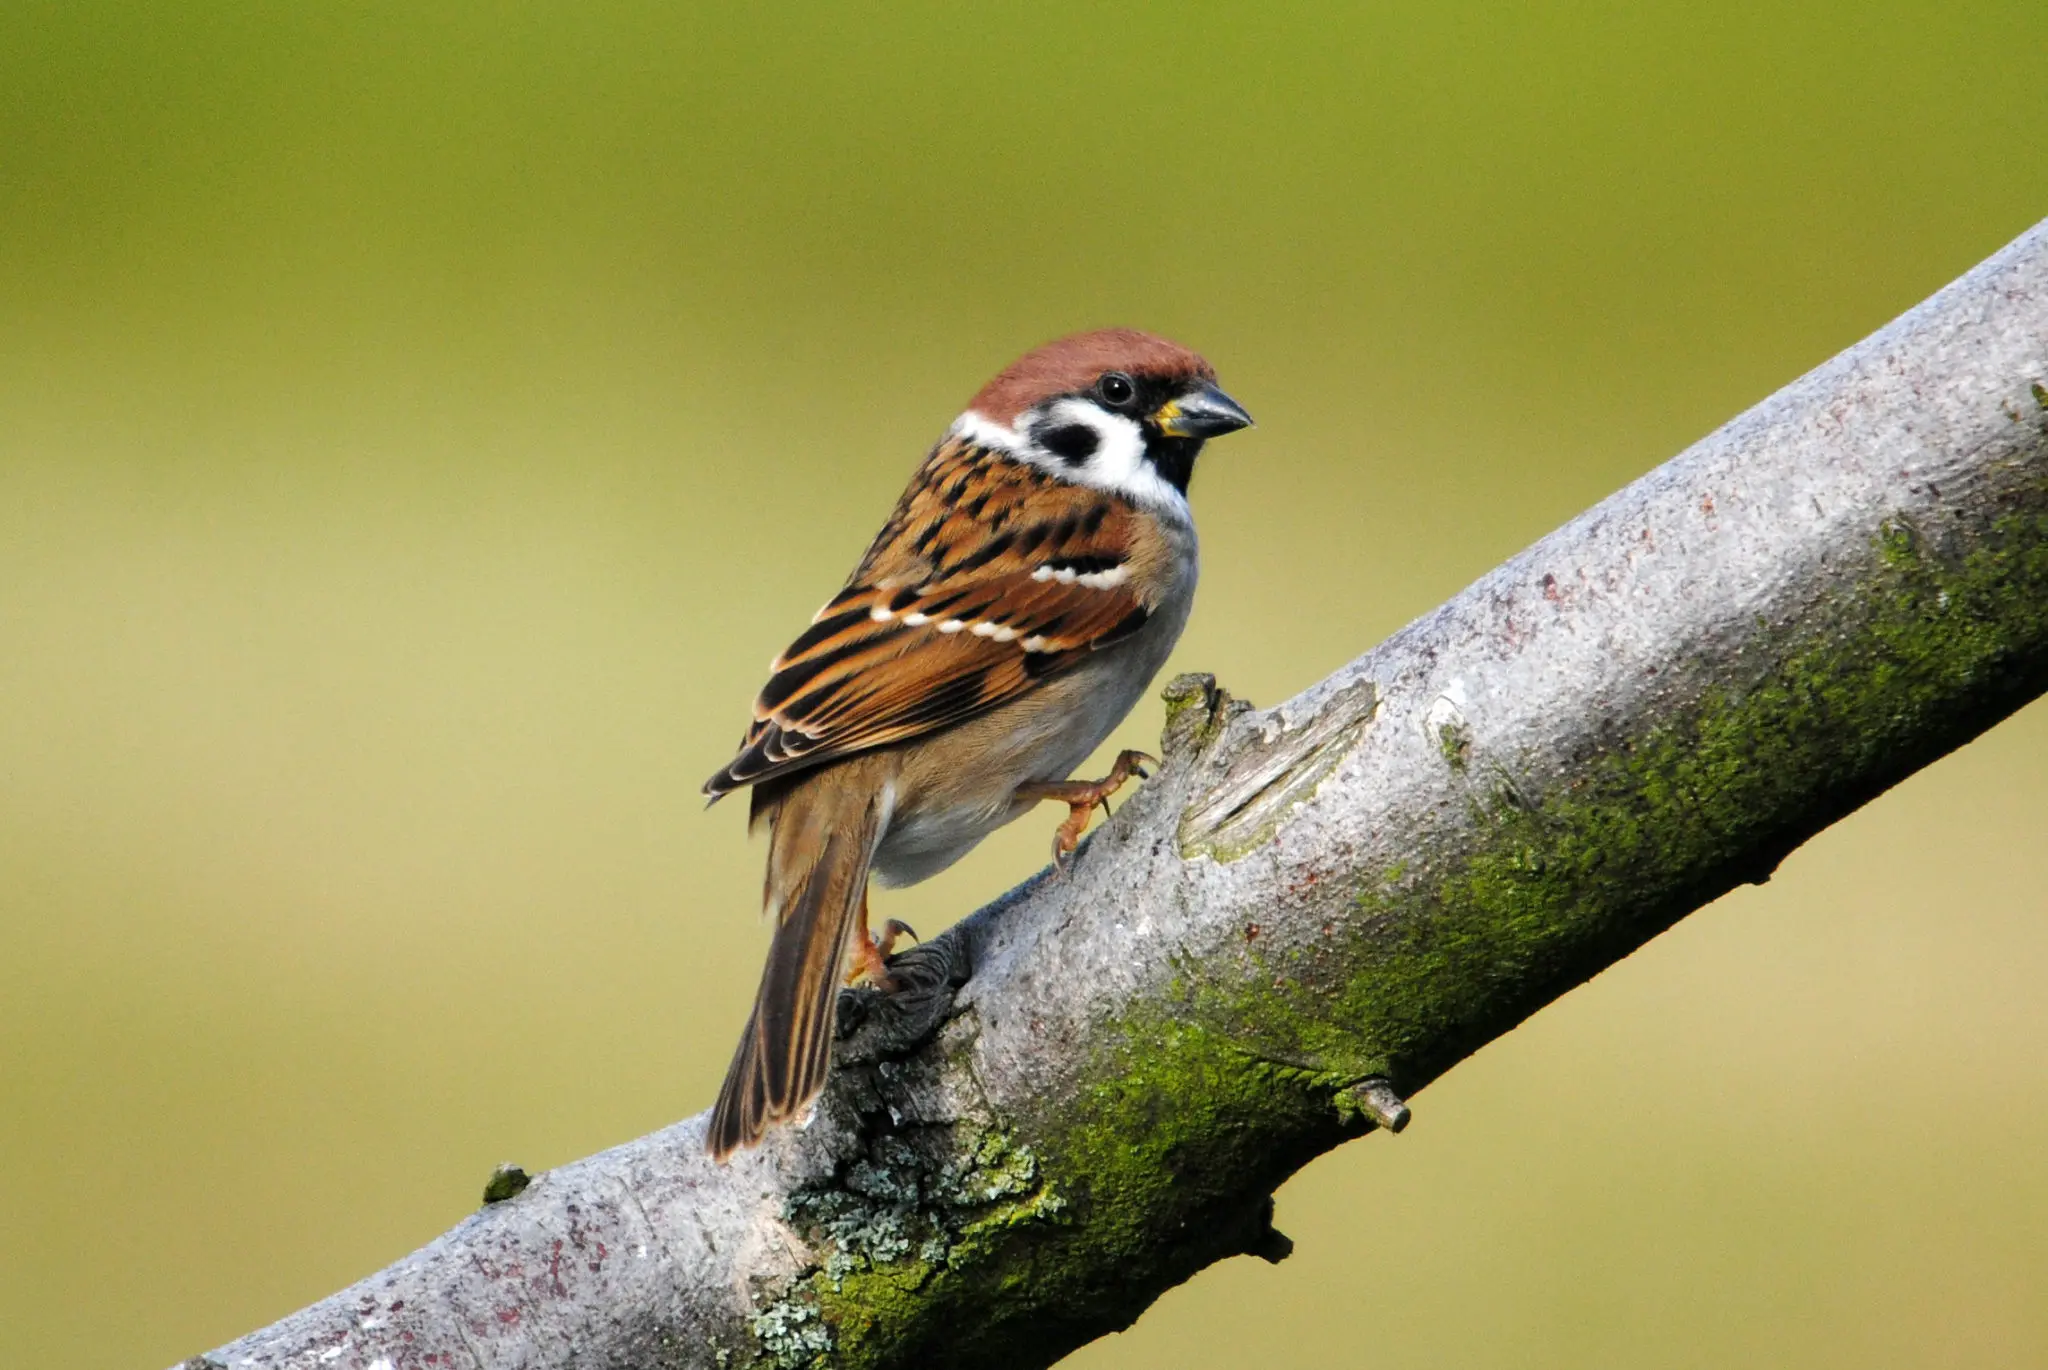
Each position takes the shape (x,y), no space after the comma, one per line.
(952,796)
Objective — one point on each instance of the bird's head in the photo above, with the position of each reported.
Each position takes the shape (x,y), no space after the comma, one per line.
(1117,409)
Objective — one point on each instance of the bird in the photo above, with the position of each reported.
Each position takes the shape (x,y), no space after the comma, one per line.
(1014,607)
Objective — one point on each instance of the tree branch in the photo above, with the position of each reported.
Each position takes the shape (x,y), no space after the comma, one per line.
(1097,1082)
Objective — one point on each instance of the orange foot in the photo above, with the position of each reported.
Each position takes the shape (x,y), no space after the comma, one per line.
(1082,798)
(871,953)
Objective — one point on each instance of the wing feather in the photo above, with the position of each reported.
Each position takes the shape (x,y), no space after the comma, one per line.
(990,577)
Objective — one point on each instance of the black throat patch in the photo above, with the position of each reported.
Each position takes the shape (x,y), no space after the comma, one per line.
(1173,458)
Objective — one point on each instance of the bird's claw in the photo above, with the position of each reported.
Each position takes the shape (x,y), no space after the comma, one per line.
(1084,797)
(871,956)
(885,945)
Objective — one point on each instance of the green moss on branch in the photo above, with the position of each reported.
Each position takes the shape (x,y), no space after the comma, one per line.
(970,1246)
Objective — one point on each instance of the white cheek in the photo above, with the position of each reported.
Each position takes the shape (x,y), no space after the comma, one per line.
(1118,463)
(1119,456)
(985,432)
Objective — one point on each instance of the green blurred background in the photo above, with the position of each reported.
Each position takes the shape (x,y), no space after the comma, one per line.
(420,423)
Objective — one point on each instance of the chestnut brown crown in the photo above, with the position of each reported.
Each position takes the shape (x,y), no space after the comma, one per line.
(1071,364)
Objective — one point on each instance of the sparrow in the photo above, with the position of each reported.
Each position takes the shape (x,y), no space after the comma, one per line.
(1029,585)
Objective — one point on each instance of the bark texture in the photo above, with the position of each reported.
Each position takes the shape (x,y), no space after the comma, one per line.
(1318,908)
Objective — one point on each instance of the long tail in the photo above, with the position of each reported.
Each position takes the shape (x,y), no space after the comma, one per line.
(823,837)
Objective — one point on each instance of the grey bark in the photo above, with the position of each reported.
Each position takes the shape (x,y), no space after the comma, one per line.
(1317,908)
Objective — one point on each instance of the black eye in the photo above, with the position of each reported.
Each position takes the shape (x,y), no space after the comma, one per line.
(1116,389)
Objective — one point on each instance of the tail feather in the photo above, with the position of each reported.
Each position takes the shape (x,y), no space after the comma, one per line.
(822,840)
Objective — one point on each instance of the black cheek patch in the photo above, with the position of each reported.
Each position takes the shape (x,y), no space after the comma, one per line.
(1072,443)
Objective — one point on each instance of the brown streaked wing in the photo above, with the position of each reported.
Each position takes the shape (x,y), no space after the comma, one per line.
(979,541)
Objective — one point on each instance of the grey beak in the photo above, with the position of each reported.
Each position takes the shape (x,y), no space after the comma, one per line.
(1203,413)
